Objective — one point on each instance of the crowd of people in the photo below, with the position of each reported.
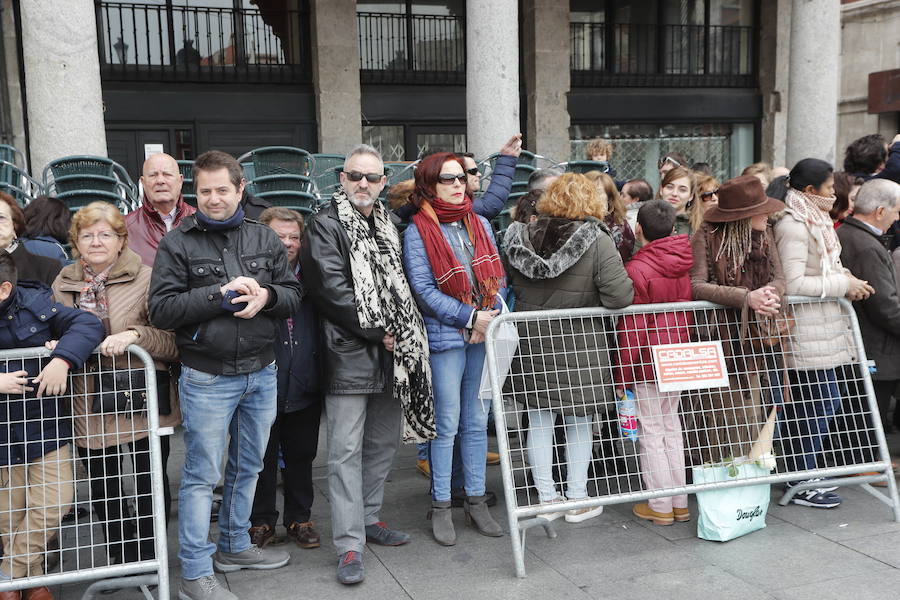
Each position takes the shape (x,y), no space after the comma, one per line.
(259,322)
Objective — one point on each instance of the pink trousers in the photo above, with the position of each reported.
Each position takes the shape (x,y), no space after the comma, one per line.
(662,446)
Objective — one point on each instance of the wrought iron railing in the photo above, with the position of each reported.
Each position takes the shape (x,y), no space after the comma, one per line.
(403,48)
(672,55)
(190,43)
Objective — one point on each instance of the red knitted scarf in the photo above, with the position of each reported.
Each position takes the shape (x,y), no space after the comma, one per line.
(451,277)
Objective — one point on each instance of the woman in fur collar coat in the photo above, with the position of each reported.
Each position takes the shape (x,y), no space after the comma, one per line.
(564,259)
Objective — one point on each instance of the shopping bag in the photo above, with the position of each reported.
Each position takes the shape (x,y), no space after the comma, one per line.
(730,513)
(506,342)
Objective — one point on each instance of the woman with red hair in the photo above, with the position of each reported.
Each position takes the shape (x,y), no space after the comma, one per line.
(454,269)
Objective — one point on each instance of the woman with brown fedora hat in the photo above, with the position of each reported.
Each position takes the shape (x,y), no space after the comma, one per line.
(736,264)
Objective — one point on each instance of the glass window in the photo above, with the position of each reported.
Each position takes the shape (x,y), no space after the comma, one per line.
(387,139)
(427,143)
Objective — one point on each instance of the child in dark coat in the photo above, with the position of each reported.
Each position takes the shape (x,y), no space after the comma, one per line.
(36,463)
(660,273)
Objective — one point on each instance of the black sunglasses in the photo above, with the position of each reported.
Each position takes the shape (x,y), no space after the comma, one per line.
(705,196)
(447,178)
(370,177)
(473,171)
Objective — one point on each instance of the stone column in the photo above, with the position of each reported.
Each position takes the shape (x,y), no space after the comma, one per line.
(547,77)
(335,65)
(813,81)
(774,53)
(62,80)
(492,74)
(11,95)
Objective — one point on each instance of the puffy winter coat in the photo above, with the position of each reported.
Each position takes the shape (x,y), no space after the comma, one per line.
(821,337)
(660,274)
(558,263)
(445,316)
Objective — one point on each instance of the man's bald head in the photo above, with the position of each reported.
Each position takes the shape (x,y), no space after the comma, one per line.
(162,180)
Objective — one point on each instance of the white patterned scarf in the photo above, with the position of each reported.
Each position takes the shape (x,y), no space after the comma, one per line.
(812,210)
(384,300)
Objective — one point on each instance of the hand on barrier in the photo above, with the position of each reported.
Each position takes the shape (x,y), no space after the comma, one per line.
(764,301)
(51,345)
(52,378)
(114,345)
(483,318)
(513,147)
(14,383)
(388,342)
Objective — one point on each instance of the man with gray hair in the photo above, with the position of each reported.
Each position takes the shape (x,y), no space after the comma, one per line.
(542,178)
(862,251)
(376,354)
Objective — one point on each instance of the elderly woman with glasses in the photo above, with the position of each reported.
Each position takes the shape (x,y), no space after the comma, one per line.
(109,281)
(453,266)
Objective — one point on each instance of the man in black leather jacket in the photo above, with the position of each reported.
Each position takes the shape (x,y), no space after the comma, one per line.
(223,284)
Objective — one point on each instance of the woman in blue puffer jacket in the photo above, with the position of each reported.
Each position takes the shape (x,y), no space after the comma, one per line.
(451,260)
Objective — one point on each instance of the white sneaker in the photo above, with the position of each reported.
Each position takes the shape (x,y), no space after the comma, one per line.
(577,515)
(552,515)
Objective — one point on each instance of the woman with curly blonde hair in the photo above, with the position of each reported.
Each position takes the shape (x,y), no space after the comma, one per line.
(564,259)
(616,213)
(679,188)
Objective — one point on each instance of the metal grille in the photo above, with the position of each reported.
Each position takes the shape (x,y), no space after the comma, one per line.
(559,428)
(79,512)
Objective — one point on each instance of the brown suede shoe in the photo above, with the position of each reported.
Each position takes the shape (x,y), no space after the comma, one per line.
(304,534)
(682,515)
(492,458)
(37,593)
(644,511)
(423,467)
(11,595)
(261,535)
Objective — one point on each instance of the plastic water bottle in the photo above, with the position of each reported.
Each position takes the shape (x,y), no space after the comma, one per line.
(627,408)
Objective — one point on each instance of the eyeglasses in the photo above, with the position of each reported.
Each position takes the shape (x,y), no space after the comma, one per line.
(708,196)
(447,178)
(370,177)
(668,159)
(473,171)
(103,236)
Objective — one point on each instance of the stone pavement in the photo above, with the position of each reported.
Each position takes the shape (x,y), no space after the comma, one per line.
(849,552)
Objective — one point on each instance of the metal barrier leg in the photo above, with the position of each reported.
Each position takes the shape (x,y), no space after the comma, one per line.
(518,546)
(139,581)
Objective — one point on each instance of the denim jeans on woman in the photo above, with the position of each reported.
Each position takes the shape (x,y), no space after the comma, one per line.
(814,401)
(456,378)
(214,407)
(579,443)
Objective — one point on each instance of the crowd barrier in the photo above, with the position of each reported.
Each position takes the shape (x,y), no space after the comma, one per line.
(733,407)
(94,511)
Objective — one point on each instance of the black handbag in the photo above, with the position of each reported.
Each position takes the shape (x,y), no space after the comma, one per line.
(125,391)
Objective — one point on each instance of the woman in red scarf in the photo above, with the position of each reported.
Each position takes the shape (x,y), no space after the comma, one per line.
(453,267)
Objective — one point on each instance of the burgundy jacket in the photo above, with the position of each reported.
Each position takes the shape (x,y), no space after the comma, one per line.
(146,228)
(660,272)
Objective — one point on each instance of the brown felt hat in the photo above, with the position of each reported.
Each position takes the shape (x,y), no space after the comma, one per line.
(741,198)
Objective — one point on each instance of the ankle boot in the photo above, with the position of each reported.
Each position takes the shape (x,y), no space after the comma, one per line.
(442,523)
(477,514)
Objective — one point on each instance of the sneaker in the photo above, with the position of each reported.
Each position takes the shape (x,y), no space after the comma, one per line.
(205,588)
(253,557)
(577,515)
(378,533)
(826,488)
(553,515)
(350,568)
(817,499)
(423,467)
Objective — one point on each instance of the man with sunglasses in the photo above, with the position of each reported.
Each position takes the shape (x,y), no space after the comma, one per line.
(375,354)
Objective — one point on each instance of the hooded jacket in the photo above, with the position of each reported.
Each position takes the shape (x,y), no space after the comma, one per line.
(660,272)
(557,263)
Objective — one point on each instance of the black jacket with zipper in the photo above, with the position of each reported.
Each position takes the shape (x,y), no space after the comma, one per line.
(192,263)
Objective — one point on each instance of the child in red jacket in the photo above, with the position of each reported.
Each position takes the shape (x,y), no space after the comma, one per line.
(660,272)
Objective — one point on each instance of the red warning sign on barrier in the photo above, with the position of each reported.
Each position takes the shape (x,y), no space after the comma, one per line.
(690,366)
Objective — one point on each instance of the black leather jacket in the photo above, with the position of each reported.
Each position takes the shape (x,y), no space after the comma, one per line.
(191,265)
(355,359)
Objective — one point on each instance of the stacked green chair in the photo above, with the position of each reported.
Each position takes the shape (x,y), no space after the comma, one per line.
(187,188)
(325,173)
(261,186)
(18,184)
(302,202)
(278,160)
(13,155)
(75,178)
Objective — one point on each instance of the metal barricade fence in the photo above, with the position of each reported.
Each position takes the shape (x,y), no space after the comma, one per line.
(112,464)
(558,427)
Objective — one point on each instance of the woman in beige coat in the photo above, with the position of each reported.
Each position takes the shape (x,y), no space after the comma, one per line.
(811,259)
(109,281)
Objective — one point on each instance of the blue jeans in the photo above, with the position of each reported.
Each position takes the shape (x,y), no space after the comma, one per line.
(815,400)
(214,407)
(456,377)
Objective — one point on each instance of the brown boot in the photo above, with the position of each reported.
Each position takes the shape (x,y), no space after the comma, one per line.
(11,595)
(304,534)
(261,535)
(37,593)
(644,511)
